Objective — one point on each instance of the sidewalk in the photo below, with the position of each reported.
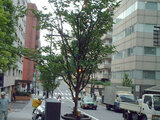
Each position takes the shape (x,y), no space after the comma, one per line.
(21,110)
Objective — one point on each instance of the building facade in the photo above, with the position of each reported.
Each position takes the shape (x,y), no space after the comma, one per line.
(133,36)
(11,75)
(104,69)
(31,41)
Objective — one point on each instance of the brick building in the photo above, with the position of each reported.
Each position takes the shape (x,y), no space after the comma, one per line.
(31,41)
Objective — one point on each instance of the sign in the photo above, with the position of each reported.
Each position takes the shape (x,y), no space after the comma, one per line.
(1,79)
(137,88)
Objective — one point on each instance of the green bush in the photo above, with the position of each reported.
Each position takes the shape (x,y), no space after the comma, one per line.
(18,93)
(98,82)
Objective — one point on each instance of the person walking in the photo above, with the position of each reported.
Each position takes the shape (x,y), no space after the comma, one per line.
(59,97)
(38,90)
(5,105)
(14,97)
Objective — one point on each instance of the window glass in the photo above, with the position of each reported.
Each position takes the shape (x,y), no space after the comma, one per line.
(149,50)
(118,75)
(147,99)
(141,5)
(151,5)
(137,74)
(158,51)
(138,51)
(157,75)
(148,28)
(139,27)
(149,74)
(158,6)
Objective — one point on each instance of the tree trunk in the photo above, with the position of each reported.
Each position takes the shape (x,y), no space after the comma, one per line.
(47,94)
(75,111)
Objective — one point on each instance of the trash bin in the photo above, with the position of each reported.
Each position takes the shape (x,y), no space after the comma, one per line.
(53,109)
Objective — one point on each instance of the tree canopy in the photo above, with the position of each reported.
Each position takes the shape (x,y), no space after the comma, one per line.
(8,18)
(77,27)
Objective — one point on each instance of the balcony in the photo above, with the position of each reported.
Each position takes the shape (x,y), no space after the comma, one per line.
(104,66)
(103,76)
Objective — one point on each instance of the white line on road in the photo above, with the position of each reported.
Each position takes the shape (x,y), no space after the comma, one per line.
(85,112)
(88,114)
(60,91)
(80,110)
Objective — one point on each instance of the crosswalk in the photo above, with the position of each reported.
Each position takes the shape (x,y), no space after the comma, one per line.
(64,95)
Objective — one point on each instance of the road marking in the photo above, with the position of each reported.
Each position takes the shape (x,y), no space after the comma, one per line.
(80,110)
(88,114)
(60,91)
(54,97)
(85,112)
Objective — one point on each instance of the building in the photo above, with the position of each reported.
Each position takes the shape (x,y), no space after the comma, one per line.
(137,55)
(12,75)
(104,69)
(31,41)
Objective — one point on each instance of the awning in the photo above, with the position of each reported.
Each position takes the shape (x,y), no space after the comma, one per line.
(153,89)
(23,81)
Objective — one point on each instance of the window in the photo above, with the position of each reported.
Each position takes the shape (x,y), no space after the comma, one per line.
(149,74)
(147,99)
(151,5)
(149,50)
(129,51)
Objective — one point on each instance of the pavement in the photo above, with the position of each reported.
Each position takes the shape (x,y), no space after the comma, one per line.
(21,110)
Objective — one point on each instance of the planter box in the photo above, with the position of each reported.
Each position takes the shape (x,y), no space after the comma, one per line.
(23,98)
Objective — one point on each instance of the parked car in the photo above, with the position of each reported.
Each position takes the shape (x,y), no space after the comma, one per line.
(39,112)
(88,102)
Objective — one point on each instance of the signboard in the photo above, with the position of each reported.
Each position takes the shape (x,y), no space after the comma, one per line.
(1,79)
(137,88)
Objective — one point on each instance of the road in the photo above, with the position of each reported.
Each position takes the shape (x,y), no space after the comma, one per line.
(67,105)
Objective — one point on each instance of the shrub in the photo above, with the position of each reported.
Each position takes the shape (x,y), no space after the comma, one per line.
(18,93)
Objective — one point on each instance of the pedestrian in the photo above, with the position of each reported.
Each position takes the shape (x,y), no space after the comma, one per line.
(59,98)
(95,97)
(32,90)
(14,97)
(5,105)
(38,92)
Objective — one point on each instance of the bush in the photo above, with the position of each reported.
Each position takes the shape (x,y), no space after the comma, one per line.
(98,82)
(18,93)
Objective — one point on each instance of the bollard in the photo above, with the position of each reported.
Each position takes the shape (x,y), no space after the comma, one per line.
(53,109)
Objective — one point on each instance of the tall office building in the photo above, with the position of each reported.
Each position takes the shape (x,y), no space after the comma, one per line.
(12,75)
(31,41)
(138,48)
(104,69)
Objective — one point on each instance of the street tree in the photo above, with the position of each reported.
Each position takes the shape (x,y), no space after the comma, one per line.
(78,26)
(49,68)
(8,18)
(127,81)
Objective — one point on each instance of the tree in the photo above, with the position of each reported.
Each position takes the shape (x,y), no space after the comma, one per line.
(80,25)
(8,52)
(49,71)
(126,81)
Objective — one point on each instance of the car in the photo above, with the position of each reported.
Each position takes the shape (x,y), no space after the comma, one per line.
(88,102)
(39,112)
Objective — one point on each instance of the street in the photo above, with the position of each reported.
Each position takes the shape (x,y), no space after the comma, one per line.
(22,110)
(67,104)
